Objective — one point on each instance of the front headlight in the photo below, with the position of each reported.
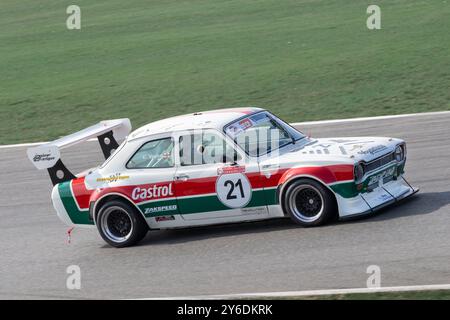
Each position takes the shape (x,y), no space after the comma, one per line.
(400,153)
(358,172)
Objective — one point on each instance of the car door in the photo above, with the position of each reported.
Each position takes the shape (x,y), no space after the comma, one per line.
(213,180)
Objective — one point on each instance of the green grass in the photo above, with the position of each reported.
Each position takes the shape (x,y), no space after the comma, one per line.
(410,295)
(146,60)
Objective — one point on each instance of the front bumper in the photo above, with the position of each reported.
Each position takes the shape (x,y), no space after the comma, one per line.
(369,202)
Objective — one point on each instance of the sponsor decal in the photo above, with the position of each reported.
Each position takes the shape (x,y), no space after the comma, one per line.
(160,209)
(152,192)
(164,218)
(322,145)
(384,197)
(43,157)
(373,150)
(234,130)
(379,177)
(342,140)
(231,169)
(245,123)
(255,210)
(113,178)
(356,146)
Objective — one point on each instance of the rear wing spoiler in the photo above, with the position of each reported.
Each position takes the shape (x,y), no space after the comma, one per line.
(48,156)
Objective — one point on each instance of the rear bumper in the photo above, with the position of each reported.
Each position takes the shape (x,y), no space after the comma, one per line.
(59,207)
(67,210)
(379,198)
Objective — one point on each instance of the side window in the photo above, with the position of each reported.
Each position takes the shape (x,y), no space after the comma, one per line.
(153,154)
(205,148)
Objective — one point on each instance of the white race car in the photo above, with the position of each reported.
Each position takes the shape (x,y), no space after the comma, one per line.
(221,166)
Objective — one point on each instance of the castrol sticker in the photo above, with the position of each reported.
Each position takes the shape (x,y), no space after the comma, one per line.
(153,192)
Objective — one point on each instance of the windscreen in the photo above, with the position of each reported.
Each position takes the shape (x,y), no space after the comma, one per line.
(262,133)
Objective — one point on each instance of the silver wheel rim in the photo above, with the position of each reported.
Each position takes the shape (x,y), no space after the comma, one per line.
(306,203)
(116,224)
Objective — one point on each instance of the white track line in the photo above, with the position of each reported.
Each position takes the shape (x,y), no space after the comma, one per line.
(21,145)
(310,293)
(372,118)
(32,144)
(307,123)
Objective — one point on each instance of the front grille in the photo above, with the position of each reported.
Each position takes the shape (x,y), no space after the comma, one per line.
(377,163)
(388,179)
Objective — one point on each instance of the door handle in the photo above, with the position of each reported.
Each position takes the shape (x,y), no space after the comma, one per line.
(269,169)
(270,166)
(182,177)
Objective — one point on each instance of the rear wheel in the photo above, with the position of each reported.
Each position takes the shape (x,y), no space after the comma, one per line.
(120,225)
(309,203)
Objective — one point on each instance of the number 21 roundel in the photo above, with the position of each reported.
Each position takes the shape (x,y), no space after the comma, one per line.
(234,190)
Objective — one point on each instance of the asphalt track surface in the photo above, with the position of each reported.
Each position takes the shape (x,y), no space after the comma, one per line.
(410,242)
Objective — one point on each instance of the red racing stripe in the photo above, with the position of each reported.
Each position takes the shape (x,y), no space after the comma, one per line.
(140,193)
(200,186)
(245,111)
(328,174)
(81,194)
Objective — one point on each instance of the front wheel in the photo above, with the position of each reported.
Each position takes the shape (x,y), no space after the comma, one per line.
(309,203)
(120,225)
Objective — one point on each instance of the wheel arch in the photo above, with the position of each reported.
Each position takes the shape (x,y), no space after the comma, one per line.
(108,197)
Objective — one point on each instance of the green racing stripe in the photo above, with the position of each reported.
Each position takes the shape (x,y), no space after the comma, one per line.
(77,216)
(201,204)
(165,207)
(349,189)
(345,189)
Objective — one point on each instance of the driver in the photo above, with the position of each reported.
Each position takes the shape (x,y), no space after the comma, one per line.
(163,157)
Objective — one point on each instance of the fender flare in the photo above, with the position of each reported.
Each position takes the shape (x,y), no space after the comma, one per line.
(94,204)
(281,187)
(322,175)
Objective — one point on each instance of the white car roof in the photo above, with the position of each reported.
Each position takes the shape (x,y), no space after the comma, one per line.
(215,119)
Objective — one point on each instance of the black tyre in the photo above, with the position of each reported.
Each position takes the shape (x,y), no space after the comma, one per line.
(309,203)
(120,225)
